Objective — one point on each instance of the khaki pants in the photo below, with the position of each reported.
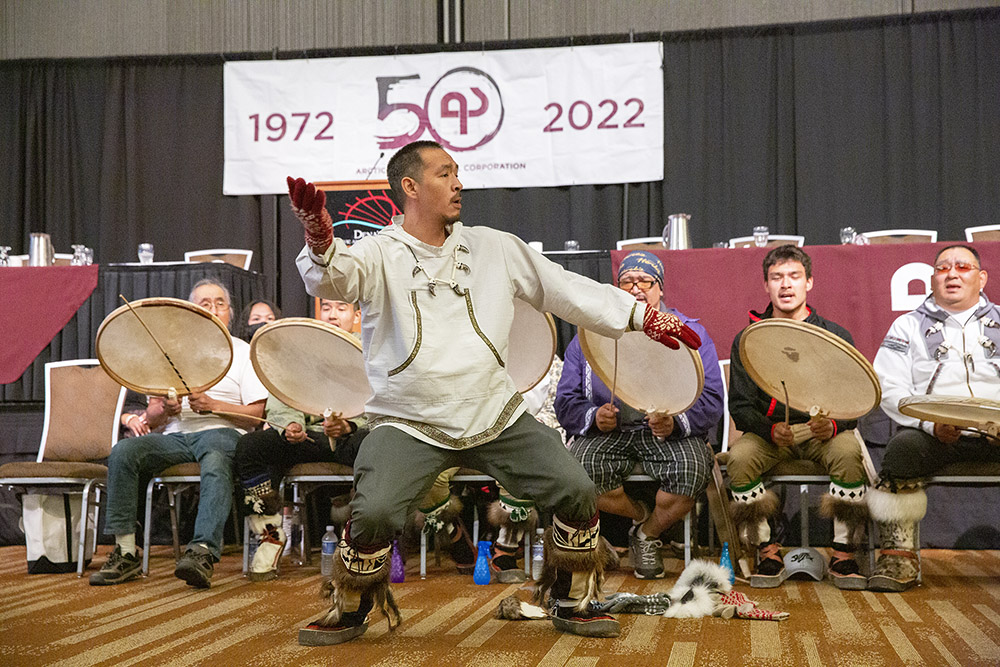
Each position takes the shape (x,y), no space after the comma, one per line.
(751,456)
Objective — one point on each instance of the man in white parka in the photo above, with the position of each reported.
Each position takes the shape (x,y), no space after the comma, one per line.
(437,301)
(946,347)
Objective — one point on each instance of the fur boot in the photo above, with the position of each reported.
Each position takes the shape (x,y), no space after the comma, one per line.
(896,515)
(350,591)
(849,507)
(750,511)
(587,568)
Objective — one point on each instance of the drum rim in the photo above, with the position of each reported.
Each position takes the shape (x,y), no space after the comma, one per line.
(154,301)
(601,372)
(555,343)
(286,322)
(823,334)
(907,404)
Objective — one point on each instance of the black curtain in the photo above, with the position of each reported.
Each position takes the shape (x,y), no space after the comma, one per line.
(874,124)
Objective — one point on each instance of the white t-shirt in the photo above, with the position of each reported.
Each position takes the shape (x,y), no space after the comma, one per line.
(240,386)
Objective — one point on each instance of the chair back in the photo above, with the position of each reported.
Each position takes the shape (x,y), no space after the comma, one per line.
(82,410)
(234,256)
(773,240)
(641,243)
(902,236)
(982,233)
(729,431)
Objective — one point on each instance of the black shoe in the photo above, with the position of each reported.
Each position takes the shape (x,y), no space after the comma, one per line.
(461,552)
(585,623)
(771,568)
(504,570)
(195,568)
(351,625)
(846,573)
(118,569)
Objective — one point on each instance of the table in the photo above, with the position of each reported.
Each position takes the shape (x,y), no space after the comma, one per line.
(75,340)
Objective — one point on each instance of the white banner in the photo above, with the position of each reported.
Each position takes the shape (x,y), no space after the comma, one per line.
(519,118)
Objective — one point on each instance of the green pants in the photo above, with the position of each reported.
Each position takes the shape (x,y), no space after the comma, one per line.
(751,456)
(394,471)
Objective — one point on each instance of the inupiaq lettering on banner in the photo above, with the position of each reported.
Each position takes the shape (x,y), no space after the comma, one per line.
(516,118)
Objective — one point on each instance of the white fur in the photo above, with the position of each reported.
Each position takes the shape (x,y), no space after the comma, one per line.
(887,507)
(706,581)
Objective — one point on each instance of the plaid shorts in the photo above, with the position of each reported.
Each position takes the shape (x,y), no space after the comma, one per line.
(683,467)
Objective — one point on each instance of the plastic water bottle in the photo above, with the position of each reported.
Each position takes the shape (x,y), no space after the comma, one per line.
(287,522)
(252,545)
(326,557)
(538,554)
(397,571)
(727,562)
(481,575)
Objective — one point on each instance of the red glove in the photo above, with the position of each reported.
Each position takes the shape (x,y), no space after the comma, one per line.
(664,328)
(736,604)
(309,206)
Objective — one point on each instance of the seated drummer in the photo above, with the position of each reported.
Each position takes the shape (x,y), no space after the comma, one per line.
(610,439)
(767,440)
(190,435)
(946,347)
(263,457)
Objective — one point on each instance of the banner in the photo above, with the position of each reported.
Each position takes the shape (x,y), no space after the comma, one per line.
(517,118)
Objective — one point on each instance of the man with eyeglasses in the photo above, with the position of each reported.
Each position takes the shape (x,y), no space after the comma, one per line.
(767,440)
(610,438)
(947,347)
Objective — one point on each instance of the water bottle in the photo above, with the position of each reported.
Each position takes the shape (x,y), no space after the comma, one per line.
(726,562)
(397,571)
(481,575)
(326,557)
(538,554)
(287,522)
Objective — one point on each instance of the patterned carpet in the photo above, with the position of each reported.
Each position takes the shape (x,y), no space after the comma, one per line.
(953,619)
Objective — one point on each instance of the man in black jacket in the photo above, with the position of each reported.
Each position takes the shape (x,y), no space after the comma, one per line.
(767,440)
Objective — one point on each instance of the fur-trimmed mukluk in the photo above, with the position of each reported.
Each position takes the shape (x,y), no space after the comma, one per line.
(751,508)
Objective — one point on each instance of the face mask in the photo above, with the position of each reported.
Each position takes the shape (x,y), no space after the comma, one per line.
(253,328)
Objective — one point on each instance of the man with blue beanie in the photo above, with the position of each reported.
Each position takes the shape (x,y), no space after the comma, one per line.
(609,437)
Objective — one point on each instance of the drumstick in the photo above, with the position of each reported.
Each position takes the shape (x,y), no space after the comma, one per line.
(169,360)
(276,427)
(786,401)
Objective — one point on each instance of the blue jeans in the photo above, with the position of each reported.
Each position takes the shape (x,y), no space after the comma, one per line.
(134,458)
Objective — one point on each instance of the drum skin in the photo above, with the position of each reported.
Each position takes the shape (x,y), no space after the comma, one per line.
(960,411)
(531,346)
(643,373)
(196,341)
(818,368)
(311,366)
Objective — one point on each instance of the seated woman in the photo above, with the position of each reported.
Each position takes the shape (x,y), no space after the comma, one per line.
(253,316)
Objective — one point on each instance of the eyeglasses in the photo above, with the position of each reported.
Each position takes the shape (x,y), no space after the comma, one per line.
(961,267)
(643,284)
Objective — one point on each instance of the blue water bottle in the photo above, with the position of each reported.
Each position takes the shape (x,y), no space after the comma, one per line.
(727,562)
(481,575)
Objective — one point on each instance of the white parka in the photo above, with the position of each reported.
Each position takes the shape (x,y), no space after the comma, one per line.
(966,363)
(435,357)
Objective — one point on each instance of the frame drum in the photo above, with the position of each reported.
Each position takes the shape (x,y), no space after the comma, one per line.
(311,366)
(961,411)
(196,341)
(531,346)
(819,369)
(650,376)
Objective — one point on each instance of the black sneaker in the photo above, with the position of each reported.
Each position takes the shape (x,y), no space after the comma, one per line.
(585,623)
(195,568)
(118,569)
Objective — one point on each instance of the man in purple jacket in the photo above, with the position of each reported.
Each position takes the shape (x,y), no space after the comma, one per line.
(610,438)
